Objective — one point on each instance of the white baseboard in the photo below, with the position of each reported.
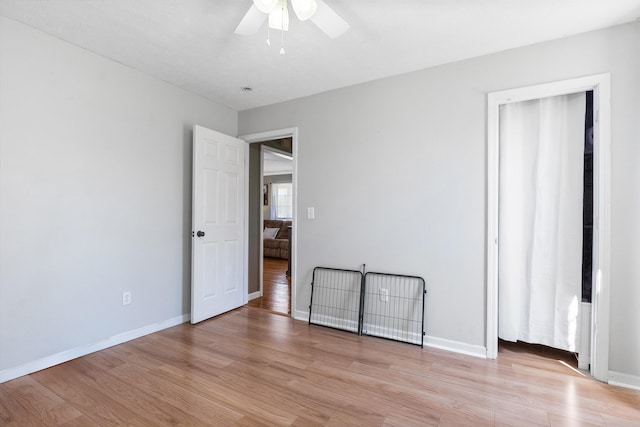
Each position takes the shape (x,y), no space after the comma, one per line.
(440,343)
(456,346)
(255,295)
(624,380)
(301,315)
(391,333)
(65,356)
(332,322)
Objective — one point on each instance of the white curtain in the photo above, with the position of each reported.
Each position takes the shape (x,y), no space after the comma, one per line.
(540,229)
(281,200)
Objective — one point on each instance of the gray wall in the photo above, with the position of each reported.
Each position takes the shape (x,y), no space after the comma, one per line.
(95,196)
(396,169)
(254,228)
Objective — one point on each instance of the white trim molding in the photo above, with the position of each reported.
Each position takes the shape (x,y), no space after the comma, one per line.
(303,316)
(429,341)
(600,85)
(624,380)
(456,346)
(267,136)
(65,356)
(255,295)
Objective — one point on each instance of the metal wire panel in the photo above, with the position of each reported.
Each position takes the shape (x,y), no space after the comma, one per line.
(335,298)
(393,307)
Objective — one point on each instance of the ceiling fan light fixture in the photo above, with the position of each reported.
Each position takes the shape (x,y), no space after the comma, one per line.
(279,18)
(304,9)
(276,11)
(266,6)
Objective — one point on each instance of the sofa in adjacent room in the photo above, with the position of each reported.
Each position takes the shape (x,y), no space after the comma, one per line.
(276,238)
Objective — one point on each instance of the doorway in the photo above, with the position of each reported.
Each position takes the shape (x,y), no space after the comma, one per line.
(599,84)
(272,257)
(276,198)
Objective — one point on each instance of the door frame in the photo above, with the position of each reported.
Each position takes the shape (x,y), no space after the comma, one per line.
(600,84)
(268,136)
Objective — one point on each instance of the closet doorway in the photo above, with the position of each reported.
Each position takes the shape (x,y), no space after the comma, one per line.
(495,242)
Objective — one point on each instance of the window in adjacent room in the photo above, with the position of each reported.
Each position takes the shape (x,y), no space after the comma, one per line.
(282,200)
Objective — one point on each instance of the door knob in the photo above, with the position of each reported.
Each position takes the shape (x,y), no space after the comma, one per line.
(200,233)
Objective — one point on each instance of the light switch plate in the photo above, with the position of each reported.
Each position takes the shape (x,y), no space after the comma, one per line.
(311,213)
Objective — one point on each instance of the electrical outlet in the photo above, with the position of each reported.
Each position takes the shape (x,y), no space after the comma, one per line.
(384,295)
(126,298)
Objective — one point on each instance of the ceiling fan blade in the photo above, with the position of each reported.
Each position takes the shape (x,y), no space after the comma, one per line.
(251,22)
(329,21)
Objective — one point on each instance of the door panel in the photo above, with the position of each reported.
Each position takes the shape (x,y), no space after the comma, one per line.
(219,205)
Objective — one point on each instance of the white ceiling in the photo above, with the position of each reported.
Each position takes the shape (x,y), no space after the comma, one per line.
(190,43)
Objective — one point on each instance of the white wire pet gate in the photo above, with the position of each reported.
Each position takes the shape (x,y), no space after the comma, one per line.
(384,305)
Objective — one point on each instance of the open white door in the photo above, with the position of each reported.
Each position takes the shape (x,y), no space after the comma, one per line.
(218,225)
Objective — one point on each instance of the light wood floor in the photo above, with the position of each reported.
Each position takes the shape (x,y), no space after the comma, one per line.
(254,368)
(276,287)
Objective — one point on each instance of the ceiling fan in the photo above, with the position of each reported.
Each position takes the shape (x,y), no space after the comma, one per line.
(278,13)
